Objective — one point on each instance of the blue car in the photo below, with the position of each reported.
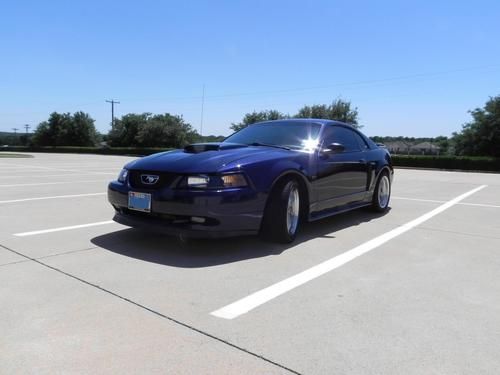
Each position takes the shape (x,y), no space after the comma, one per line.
(268,178)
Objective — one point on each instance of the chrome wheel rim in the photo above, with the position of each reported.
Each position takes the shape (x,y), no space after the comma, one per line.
(384,191)
(292,211)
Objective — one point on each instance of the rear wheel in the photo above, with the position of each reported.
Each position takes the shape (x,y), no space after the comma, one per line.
(282,217)
(382,193)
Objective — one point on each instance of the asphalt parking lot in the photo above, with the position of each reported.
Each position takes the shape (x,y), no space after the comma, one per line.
(414,291)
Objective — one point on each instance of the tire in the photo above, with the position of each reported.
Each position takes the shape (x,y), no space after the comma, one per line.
(282,215)
(382,193)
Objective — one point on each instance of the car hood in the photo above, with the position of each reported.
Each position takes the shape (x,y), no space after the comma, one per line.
(202,158)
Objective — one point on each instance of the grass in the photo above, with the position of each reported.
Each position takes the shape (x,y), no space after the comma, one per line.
(10,155)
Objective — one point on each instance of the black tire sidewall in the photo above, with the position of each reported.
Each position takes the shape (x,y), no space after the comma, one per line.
(275,217)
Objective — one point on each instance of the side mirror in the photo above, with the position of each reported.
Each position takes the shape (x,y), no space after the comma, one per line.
(333,148)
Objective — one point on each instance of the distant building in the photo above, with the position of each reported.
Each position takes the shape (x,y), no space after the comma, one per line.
(425,148)
(398,147)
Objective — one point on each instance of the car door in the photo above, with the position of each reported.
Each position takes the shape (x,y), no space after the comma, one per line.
(342,176)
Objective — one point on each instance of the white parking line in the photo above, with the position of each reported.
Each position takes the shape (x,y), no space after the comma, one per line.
(79,170)
(43,231)
(417,199)
(479,205)
(256,299)
(51,183)
(16,166)
(434,201)
(53,197)
(58,175)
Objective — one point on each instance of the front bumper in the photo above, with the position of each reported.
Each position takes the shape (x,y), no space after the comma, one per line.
(227,213)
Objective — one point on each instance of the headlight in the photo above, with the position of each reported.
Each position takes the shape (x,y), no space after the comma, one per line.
(198,181)
(216,182)
(122,177)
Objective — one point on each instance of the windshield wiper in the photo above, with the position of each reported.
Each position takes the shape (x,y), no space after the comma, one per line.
(269,145)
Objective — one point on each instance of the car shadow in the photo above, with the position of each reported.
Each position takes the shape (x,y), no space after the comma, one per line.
(171,251)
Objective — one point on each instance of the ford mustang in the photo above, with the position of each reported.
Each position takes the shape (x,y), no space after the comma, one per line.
(267,178)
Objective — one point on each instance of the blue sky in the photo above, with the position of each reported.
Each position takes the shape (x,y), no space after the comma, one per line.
(412,68)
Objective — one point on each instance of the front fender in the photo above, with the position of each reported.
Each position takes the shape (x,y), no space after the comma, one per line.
(265,175)
(388,169)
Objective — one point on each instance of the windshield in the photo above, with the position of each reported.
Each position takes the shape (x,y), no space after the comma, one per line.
(286,133)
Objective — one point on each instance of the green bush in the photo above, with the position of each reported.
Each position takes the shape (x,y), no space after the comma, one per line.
(134,151)
(467,163)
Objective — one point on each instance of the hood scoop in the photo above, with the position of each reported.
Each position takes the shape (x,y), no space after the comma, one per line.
(196,148)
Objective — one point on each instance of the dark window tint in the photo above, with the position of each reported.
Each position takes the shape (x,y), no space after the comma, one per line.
(283,133)
(361,141)
(344,136)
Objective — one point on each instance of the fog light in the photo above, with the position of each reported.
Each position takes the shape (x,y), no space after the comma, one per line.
(196,219)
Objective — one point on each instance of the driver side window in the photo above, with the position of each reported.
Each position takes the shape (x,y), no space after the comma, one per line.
(344,136)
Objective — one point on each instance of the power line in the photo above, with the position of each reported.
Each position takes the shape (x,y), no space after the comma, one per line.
(27,127)
(284,91)
(368,83)
(113,102)
(15,130)
(352,83)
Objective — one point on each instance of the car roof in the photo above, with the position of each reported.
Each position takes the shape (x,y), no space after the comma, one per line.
(307,120)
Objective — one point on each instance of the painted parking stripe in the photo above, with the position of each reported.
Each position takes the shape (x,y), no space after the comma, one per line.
(479,205)
(58,175)
(417,199)
(435,201)
(17,166)
(79,170)
(51,183)
(53,197)
(60,229)
(256,299)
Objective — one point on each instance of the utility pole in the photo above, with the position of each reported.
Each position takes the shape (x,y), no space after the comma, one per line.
(113,102)
(202,107)
(27,127)
(15,130)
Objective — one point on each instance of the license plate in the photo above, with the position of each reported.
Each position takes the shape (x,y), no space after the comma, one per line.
(139,201)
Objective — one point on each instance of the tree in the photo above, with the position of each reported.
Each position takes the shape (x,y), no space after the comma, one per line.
(443,143)
(481,136)
(64,129)
(210,138)
(339,110)
(165,131)
(79,131)
(11,139)
(49,133)
(253,117)
(314,111)
(125,130)
(148,130)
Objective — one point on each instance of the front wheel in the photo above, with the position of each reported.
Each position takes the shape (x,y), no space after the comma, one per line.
(382,193)
(282,217)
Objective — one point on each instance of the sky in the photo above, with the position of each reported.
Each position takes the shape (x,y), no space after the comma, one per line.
(412,68)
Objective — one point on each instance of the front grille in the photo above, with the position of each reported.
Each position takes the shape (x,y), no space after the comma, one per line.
(165,179)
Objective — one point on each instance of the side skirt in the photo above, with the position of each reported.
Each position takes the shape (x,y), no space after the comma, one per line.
(337,210)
